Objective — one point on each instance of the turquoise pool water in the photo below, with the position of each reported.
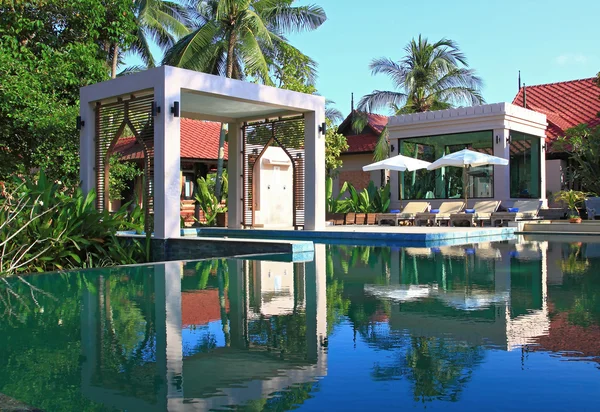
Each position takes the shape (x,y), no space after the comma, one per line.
(511,325)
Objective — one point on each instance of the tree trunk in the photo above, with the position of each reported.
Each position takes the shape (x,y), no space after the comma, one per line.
(115,61)
(221,157)
(220,161)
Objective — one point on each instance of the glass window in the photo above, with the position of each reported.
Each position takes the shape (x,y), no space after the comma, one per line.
(187,192)
(524,166)
(447,182)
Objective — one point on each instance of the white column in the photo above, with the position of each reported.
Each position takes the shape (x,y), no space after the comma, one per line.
(314,183)
(543,171)
(316,305)
(394,180)
(167,181)
(235,165)
(169,343)
(502,173)
(87,148)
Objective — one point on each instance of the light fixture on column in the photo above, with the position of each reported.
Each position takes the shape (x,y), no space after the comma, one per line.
(155,109)
(323,128)
(508,139)
(497,139)
(175,109)
(544,147)
(80,123)
(392,148)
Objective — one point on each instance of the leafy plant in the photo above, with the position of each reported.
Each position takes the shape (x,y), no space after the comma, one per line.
(582,143)
(572,198)
(335,204)
(369,200)
(44,227)
(209,203)
(381,200)
(121,173)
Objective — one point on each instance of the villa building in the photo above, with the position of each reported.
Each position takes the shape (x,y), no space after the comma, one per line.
(522,131)
(565,104)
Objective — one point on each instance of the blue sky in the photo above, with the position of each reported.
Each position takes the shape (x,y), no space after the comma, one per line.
(548,40)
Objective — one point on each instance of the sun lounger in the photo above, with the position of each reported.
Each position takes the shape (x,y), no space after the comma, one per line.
(443,215)
(527,210)
(482,212)
(592,205)
(408,213)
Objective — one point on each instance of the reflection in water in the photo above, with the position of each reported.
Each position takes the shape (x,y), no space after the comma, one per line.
(441,326)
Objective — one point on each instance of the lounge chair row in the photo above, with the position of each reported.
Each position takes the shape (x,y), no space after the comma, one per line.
(453,212)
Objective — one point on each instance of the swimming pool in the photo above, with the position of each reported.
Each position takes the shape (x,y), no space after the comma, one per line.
(502,325)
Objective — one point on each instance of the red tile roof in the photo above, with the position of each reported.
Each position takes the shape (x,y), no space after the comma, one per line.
(565,104)
(200,307)
(199,141)
(365,141)
(361,143)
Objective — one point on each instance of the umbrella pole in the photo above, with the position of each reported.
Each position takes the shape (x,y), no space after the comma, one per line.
(401,187)
(465,185)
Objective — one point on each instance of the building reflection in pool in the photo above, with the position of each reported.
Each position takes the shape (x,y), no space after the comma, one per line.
(221,333)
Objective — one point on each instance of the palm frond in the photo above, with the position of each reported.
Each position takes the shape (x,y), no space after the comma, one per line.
(288,19)
(382,148)
(380,99)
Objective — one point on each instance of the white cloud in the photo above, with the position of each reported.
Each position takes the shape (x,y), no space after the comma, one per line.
(571,59)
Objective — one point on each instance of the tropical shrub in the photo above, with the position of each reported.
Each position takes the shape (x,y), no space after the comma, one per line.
(44,227)
(582,143)
(209,203)
(369,200)
(335,204)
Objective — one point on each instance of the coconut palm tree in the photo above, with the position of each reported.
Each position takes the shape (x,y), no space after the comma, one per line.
(159,21)
(431,76)
(233,39)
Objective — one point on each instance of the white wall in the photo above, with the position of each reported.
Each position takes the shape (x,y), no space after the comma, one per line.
(555,175)
(274,189)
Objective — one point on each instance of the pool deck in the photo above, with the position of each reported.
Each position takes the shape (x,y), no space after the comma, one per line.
(561,227)
(356,234)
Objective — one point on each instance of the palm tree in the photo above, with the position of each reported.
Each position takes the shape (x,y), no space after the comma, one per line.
(432,76)
(158,21)
(233,39)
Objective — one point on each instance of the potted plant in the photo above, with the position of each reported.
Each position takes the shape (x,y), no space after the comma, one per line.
(572,198)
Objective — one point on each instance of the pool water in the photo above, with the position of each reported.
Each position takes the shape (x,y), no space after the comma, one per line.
(512,325)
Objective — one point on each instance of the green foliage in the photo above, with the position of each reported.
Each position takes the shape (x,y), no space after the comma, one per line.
(43,227)
(121,173)
(335,144)
(370,200)
(334,204)
(48,50)
(209,203)
(582,143)
(293,70)
(573,199)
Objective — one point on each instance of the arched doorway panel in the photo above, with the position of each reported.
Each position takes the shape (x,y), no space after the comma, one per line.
(273,178)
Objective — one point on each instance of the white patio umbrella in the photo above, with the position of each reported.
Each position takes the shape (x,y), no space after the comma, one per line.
(467,159)
(398,163)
